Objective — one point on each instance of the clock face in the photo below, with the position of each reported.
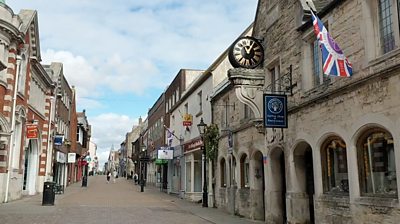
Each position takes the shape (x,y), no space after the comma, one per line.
(246,52)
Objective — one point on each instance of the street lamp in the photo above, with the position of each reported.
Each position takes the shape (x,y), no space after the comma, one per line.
(143,160)
(202,130)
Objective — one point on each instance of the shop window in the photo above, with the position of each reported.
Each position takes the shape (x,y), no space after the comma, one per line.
(244,171)
(223,172)
(376,161)
(232,167)
(334,166)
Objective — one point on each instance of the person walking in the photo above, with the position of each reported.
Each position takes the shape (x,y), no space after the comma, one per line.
(135,178)
(108,176)
(115,176)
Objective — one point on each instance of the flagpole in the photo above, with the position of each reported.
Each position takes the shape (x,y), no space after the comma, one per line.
(311,9)
(172,133)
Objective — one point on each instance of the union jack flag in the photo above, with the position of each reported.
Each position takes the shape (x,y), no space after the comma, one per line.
(334,61)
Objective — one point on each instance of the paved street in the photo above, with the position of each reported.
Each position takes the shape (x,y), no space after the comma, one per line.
(121,202)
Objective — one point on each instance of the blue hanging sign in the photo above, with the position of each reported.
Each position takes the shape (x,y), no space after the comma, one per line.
(275,111)
(58,139)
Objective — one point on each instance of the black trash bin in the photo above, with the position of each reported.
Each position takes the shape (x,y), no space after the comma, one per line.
(84,181)
(48,193)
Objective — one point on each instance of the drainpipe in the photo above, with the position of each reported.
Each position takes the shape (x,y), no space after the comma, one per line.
(12,138)
(49,145)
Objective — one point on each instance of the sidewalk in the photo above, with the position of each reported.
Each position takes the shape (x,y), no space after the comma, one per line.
(121,202)
(213,215)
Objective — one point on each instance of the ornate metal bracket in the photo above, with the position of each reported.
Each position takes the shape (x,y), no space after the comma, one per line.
(282,85)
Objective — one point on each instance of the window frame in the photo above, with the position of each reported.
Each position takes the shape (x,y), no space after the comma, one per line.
(222,173)
(362,163)
(244,171)
(310,46)
(328,188)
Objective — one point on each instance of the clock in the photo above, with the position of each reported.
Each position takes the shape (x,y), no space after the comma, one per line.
(246,52)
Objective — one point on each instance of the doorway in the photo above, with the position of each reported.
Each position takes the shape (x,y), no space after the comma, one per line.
(277,186)
(259,185)
(310,182)
(30,168)
(304,170)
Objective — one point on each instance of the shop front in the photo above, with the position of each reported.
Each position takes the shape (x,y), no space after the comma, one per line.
(193,169)
(60,169)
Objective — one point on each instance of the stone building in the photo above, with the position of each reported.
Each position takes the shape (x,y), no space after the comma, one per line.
(338,160)
(133,142)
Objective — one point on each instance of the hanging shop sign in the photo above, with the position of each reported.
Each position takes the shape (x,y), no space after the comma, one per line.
(71,157)
(187,120)
(58,139)
(60,157)
(32,131)
(165,153)
(275,111)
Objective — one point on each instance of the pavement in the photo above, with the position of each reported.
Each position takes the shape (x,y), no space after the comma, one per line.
(121,202)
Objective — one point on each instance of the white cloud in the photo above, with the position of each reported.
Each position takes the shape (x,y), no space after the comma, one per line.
(109,130)
(134,46)
(102,155)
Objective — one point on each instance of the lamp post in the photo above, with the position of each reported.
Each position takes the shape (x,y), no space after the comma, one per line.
(143,160)
(202,130)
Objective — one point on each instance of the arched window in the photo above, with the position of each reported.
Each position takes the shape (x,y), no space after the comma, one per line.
(376,164)
(334,166)
(223,172)
(244,171)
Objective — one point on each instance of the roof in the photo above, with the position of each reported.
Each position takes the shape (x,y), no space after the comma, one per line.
(28,17)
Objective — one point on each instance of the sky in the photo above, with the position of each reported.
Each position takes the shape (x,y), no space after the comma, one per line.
(121,55)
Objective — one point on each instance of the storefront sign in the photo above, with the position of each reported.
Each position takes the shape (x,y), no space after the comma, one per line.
(192,145)
(165,154)
(275,111)
(187,120)
(32,131)
(161,161)
(60,157)
(71,157)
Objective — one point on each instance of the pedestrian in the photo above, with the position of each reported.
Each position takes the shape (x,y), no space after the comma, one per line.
(135,178)
(108,176)
(115,176)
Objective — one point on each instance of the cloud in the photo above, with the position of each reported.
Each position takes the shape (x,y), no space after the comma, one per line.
(133,46)
(102,155)
(108,130)
(109,48)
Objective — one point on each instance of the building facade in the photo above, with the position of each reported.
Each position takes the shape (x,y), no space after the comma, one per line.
(25,93)
(158,169)
(338,160)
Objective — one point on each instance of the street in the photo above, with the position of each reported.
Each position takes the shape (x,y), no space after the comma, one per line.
(120,202)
